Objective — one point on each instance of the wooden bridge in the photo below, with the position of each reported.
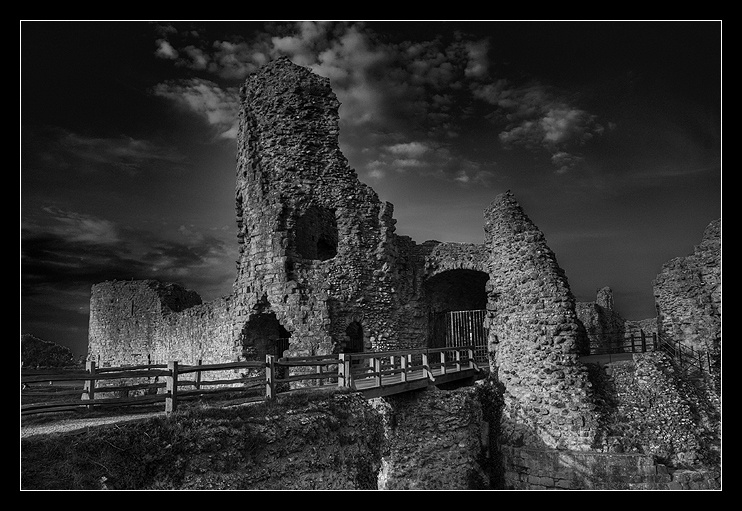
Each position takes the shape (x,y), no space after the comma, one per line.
(373,374)
(376,374)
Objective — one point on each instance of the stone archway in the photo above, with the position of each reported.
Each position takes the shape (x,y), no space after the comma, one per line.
(457,289)
(457,303)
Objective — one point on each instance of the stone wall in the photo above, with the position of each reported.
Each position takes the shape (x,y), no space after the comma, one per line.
(536,336)
(540,469)
(688,295)
(140,322)
(607,331)
(646,407)
(318,248)
(656,431)
(433,440)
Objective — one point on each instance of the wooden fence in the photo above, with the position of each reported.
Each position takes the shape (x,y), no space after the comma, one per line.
(687,358)
(172,382)
(135,385)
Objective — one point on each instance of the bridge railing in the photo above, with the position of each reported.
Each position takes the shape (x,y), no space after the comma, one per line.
(173,382)
(688,359)
(375,369)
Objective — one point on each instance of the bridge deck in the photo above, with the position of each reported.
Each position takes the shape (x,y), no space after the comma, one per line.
(372,386)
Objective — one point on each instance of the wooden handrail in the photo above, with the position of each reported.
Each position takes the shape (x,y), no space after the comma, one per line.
(384,365)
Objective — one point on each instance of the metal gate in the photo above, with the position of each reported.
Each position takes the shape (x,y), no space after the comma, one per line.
(461,328)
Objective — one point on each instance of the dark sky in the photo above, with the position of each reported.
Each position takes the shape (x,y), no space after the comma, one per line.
(608,134)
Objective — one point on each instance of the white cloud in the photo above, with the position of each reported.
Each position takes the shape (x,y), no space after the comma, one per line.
(165,50)
(539,119)
(410,149)
(81,228)
(562,124)
(216,105)
(477,65)
(564,161)
(462,177)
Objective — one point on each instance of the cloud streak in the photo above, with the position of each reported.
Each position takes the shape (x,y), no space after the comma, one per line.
(75,249)
(65,150)
(206,99)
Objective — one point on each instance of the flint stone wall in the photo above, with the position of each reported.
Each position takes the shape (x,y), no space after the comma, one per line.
(535,336)
(606,329)
(140,322)
(688,295)
(541,469)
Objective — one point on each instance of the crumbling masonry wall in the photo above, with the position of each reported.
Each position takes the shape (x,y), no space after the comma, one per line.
(536,337)
(688,295)
(140,322)
(317,246)
(607,331)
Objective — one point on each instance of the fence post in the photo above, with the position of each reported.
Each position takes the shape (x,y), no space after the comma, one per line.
(426,369)
(198,376)
(377,370)
(644,341)
(171,401)
(343,371)
(318,370)
(89,387)
(270,376)
(403,366)
(472,362)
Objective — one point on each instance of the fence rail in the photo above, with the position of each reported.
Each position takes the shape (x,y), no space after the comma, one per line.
(687,358)
(172,382)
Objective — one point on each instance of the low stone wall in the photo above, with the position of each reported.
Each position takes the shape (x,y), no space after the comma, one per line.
(550,469)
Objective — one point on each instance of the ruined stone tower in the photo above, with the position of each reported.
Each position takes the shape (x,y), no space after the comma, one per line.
(315,250)
(321,270)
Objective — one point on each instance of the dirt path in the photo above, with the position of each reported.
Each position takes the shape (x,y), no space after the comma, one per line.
(75,424)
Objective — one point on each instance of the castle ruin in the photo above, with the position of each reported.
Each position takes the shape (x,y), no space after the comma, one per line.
(321,270)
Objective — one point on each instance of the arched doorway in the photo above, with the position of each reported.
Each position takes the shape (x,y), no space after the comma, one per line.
(457,303)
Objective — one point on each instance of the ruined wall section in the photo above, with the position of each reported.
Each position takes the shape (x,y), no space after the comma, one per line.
(146,321)
(535,336)
(688,295)
(607,330)
(317,246)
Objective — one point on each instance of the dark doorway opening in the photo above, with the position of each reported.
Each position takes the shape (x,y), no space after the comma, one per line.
(355,338)
(457,301)
(264,335)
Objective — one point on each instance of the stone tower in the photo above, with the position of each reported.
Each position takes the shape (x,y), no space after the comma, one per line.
(535,336)
(313,238)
